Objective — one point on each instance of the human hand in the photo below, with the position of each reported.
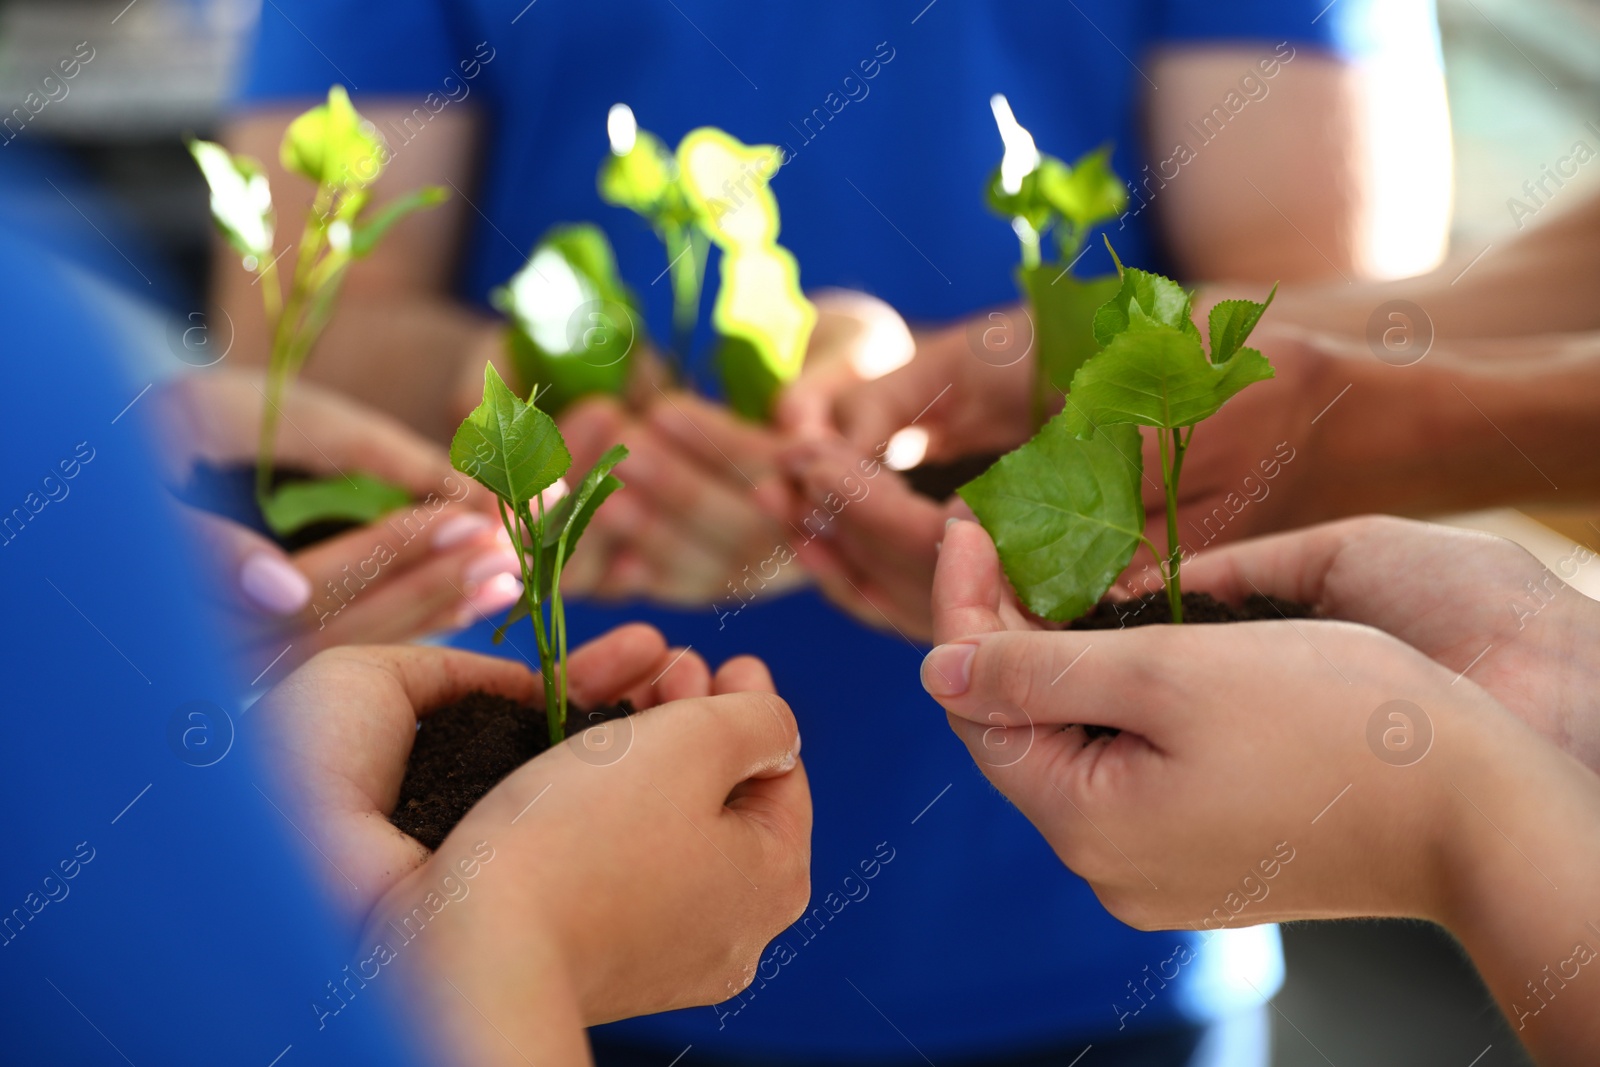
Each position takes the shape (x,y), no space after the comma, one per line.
(1253,781)
(440,564)
(1478,605)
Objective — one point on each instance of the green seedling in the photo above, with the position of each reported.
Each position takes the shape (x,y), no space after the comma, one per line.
(342,153)
(715,190)
(1065,510)
(514,450)
(1041,195)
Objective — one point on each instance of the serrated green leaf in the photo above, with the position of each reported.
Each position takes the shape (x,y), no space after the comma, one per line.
(1063,309)
(366,235)
(1086,193)
(241,201)
(510,447)
(1231,323)
(1066,515)
(765,322)
(332,144)
(1156,376)
(1143,301)
(574,324)
(359,498)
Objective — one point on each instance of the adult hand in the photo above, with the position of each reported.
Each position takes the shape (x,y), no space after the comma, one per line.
(438,564)
(1251,781)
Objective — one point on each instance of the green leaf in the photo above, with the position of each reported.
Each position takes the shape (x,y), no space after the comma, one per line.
(1066,515)
(519,611)
(509,446)
(366,235)
(726,184)
(1063,309)
(1144,300)
(573,321)
(358,498)
(332,144)
(1231,323)
(241,201)
(1156,376)
(641,179)
(1028,202)
(765,322)
(1086,193)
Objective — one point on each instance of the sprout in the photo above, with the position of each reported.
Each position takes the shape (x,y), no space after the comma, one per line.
(1022,155)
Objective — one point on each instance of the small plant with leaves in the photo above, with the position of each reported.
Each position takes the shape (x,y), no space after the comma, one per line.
(1065,510)
(514,450)
(1043,196)
(341,152)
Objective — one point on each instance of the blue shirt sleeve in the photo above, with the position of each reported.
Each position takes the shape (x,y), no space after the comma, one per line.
(398,47)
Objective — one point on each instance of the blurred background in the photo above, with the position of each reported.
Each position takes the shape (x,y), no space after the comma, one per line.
(103,170)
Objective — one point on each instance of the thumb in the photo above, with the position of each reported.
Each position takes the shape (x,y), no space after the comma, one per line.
(968,587)
(259,576)
(1061,677)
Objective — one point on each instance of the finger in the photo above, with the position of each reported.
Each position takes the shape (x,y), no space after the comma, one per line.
(878,514)
(400,541)
(664,547)
(715,507)
(591,426)
(1292,565)
(717,742)
(1063,677)
(735,449)
(681,674)
(446,592)
(743,674)
(968,586)
(260,578)
(432,677)
(777,810)
(604,669)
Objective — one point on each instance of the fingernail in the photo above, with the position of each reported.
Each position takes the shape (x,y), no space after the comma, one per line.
(951,521)
(496,594)
(459,529)
(788,763)
(947,670)
(273,584)
(492,564)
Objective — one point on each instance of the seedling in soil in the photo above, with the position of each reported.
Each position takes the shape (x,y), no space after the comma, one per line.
(342,153)
(1041,195)
(515,451)
(1065,510)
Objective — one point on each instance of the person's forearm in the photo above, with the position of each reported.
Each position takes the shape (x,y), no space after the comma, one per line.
(1457,431)
(1536,281)
(1526,906)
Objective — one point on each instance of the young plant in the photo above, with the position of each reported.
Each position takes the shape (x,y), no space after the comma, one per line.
(1065,510)
(515,451)
(573,322)
(716,190)
(1042,195)
(342,153)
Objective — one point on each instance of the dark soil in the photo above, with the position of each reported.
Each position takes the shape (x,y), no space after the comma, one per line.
(1153,608)
(466,749)
(229,490)
(939,481)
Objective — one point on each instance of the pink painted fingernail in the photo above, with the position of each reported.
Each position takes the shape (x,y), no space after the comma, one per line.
(273,584)
(494,596)
(492,564)
(460,529)
(947,670)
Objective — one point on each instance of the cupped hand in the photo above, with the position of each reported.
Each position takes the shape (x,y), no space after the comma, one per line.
(1480,606)
(1244,786)
(438,564)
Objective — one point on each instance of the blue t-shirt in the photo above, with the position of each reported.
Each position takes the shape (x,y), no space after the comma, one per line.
(154,905)
(969,938)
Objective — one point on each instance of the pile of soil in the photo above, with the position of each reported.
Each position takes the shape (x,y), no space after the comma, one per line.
(939,481)
(466,749)
(229,490)
(1154,608)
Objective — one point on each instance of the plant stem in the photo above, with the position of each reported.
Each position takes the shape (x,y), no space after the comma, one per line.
(549,668)
(1171,467)
(686,265)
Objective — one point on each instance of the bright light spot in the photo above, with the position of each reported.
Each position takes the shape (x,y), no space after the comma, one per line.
(551,495)
(906,448)
(1022,155)
(545,295)
(622,128)
(339,235)
(1024,230)
(887,347)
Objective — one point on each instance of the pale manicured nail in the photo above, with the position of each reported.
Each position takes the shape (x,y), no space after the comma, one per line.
(495,595)
(951,521)
(788,763)
(459,529)
(274,585)
(947,670)
(492,564)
